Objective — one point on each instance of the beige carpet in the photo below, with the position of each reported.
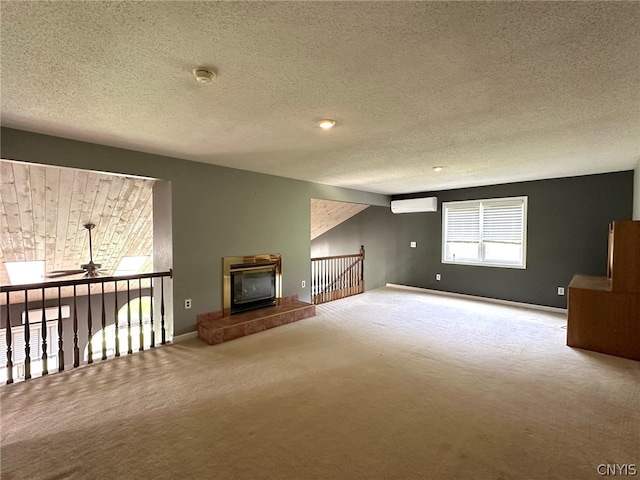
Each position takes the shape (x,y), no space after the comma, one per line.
(390,384)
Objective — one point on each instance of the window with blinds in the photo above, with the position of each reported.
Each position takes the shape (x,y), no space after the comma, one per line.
(18,343)
(488,232)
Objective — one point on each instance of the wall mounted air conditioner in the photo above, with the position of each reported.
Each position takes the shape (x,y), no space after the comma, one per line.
(413,205)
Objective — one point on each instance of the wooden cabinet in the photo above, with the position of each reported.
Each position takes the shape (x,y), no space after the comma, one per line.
(604,312)
(624,247)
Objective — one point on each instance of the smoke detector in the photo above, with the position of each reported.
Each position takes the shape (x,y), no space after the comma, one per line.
(203,75)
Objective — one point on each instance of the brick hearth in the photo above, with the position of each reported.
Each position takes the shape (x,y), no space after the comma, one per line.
(214,327)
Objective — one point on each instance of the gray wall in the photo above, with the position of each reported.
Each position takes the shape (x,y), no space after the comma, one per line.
(220,212)
(373,228)
(567,234)
(216,212)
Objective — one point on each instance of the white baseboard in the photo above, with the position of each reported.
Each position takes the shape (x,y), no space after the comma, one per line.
(184,337)
(483,299)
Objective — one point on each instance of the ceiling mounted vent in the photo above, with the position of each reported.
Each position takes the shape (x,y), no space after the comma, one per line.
(414,205)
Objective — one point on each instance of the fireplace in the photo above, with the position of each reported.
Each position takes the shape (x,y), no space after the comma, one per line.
(251,282)
(253,286)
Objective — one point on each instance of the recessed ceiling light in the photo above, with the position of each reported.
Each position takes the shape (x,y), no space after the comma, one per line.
(438,168)
(203,75)
(327,123)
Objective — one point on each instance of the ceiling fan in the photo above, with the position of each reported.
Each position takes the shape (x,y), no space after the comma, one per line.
(90,270)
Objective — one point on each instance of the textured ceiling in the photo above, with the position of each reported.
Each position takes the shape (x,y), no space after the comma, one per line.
(493,91)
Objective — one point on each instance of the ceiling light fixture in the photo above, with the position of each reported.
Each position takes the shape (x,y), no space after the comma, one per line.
(438,168)
(203,75)
(326,124)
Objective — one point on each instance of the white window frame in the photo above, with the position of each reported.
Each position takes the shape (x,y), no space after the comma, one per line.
(35,342)
(480,260)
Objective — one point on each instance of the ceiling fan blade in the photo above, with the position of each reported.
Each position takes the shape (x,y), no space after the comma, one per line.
(90,270)
(63,273)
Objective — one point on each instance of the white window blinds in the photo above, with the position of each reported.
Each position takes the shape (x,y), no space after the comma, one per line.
(35,342)
(463,223)
(502,221)
(488,232)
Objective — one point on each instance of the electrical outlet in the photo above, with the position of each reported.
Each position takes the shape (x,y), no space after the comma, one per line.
(560,290)
(303,284)
(413,244)
(438,277)
(187,304)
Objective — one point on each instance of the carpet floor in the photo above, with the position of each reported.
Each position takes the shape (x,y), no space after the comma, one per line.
(390,384)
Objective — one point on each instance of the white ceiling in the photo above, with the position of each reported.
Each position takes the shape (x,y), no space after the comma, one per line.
(493,91)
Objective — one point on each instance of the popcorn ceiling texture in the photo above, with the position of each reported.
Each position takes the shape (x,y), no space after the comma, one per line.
(495,92)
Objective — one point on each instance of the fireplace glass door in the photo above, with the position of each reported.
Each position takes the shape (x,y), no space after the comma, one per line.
(253,287)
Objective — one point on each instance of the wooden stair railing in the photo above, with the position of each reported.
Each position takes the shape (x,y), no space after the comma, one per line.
(337,277)
(49,295)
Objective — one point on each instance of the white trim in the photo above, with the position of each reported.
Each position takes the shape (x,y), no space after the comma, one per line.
(184,337)
(531,306)
(480,261)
